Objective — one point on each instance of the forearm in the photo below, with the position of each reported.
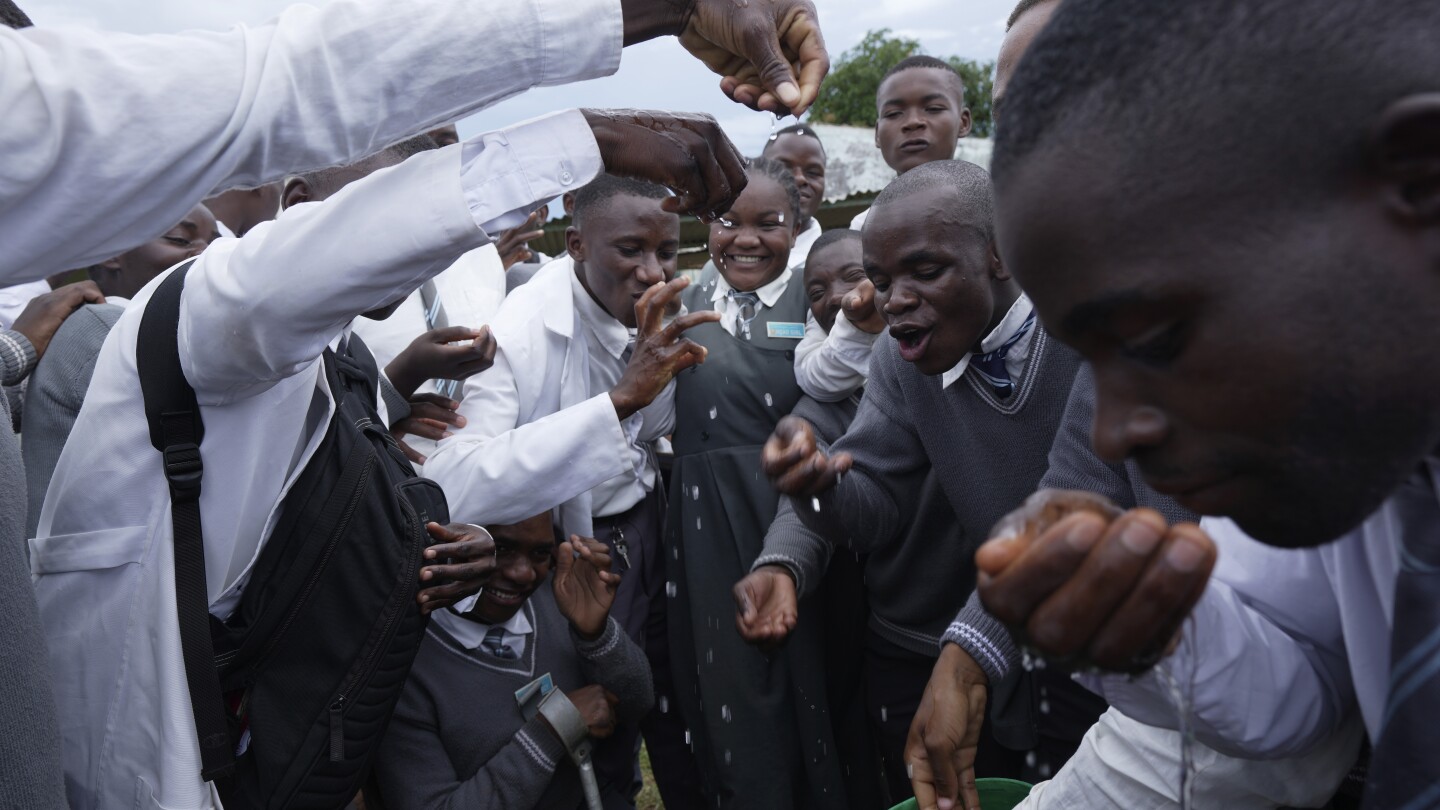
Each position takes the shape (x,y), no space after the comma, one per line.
(314,88)
(513,779)
(858,513)
(832,367)
(791,544)
(616,663)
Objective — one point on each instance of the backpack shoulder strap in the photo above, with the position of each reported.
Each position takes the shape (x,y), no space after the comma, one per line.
(176,431)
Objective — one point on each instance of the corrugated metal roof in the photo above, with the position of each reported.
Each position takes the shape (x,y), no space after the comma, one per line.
(854,166)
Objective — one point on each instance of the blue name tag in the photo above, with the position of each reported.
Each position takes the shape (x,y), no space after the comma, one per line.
(780,329)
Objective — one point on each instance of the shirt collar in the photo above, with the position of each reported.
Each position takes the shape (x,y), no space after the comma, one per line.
(471,633)
(611,334)
(1003,331)
(769,294)
(803,242)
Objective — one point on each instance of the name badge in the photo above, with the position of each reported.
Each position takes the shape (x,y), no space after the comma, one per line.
(780,329)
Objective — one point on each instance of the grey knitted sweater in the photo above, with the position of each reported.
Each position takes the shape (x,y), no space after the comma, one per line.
(458,739)
(30,769)
(1073,465)
(986,455)
(57,389)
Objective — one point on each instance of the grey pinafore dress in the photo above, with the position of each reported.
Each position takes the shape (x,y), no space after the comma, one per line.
(759,723)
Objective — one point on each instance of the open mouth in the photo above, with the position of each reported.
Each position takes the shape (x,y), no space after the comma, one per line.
(913,341)
(501,596)
(746,261)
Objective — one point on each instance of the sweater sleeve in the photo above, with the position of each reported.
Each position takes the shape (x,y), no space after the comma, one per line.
(870,506)
(618,664)
(17,357)
(790,543)
(415,771)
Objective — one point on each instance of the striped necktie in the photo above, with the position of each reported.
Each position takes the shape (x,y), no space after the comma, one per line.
(435,318)
(494,643)
(991,365)
(749,306)
(1405,768)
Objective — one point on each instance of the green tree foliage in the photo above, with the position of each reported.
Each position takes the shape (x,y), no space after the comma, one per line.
(848,95)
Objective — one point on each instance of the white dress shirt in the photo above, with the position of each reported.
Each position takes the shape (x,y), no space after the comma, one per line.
(13,300)
(316,87)
(471,633)
(255,317)
(1003,331)
(1285,642)
(540,428)
(730,310)
(804,240)
(832,367)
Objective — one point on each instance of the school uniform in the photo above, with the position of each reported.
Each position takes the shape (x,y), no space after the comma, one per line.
(255,317)
(298,93)
(13,300)
(541,431)
(753,734)
(800,251)
(460,739)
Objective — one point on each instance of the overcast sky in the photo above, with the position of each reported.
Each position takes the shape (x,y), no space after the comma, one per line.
(657,75)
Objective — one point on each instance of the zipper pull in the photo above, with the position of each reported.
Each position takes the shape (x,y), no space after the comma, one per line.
(337,730)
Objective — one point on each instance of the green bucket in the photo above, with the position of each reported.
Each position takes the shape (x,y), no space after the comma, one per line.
(995,794)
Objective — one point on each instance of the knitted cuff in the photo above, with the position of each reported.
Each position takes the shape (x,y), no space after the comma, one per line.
(984,639)
(541,743)
(788,563)
(17,357)
(600,647)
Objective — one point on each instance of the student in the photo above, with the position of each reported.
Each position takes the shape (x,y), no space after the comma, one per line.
(57,386)
(459,738)
(921,113)
(581,390)
(240,209)
(255,317)
(759,743)
(966,385)
(307,91)
(799,149)
(1205,373)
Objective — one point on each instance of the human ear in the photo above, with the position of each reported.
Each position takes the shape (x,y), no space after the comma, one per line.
(573,244)
(965,122)
(296,191)
(998,271)
(1405,152)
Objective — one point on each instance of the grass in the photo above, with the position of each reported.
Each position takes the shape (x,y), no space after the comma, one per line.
(649,798)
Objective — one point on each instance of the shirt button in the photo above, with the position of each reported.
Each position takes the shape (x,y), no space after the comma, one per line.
(566,178)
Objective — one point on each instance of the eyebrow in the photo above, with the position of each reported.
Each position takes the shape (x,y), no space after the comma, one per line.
(1093,314)
(925,100)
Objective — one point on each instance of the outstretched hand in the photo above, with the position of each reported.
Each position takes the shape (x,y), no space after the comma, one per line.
(940,749)
(661,351)
(1083,583)
(584,584)
(441,354)
(770,56)
(457,566)
(766,606)
(796,465)
(514,244)
(685,152)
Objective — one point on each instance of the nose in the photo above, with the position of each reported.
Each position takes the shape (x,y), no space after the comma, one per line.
(519,570)
(801,179)
(913,120)
(897,299)
(1124,425)
(649,271)
(747,237)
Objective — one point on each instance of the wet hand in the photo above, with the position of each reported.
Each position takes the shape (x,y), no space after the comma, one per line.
(442,354)
(686,152)
(860,309)
(940,749)
(514,244)
(796,465)
(584,584)
(770,55)
(457,566)
(430,417)
(597,708)
(1084,584)
(42,317)
(766,606)
(661,351)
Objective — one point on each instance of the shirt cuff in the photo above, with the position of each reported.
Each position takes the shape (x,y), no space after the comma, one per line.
(581,39)
(851,341)
(505,173)
(17,357)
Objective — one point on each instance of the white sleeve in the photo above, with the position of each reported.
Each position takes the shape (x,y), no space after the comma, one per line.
(832,367)
(112,137)
(1263,657)
(496,471)
(258,309)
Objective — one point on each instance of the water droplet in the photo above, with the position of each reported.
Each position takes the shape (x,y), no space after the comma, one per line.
(670,589)
(714,412)
(1030,759)
(769,400)
(815,504)
(725,713)
(664,705)
(675,552)
(1045,770)
(1044,707)
(884,715)
(697,524)
(710,656)
(687,736)
(727,756)
(695,493)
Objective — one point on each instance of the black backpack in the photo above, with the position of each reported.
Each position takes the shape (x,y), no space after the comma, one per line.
(294,691)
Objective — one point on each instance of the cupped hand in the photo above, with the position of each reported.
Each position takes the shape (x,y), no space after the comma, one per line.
(584,584)
(431,416)
(457,566)
(661,351)
(940,748)
(1085,584)
(685,152)
(442,354)
(766,606)
(796,465)
(597,708)
(770,55)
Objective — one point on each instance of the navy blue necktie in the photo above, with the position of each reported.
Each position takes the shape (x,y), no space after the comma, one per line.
(494,643)
(991,365)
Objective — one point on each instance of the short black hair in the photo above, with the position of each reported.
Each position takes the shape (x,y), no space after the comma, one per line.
(972,183)
(794,129)
(1021,8)
(1284,90)
(775,170)
(829,238)
(12,17)
(322,181)
(920,60)
(606,187)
